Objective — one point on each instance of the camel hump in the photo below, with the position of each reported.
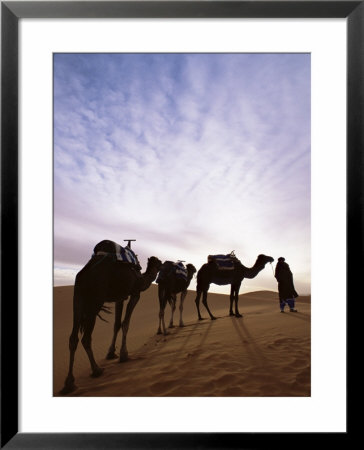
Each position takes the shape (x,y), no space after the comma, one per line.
(172,268)
(165,270)
(223,262)
(116,251)
(106,247)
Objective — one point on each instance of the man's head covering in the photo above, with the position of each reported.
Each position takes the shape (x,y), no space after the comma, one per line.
(281,258)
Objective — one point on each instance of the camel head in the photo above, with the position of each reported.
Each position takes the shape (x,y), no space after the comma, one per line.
(154,263)
(262,260)
(191,269)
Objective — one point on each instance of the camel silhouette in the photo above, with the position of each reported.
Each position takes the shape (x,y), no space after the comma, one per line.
(210,273)
(170,283)
(105,278)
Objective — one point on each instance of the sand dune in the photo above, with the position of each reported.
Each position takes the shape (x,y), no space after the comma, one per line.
(265,353)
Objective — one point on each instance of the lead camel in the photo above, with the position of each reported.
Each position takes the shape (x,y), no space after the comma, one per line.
(209,273)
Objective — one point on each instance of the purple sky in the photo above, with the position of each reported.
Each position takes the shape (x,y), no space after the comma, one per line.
(189,154)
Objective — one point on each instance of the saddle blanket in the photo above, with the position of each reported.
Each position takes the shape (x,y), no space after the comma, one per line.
(124,254)
(180,270)
(223,262)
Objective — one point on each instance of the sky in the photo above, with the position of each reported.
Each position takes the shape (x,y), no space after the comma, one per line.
(189,154)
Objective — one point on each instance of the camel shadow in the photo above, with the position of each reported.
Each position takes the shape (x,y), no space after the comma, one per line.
(247,340)
(205,326)
(131,359)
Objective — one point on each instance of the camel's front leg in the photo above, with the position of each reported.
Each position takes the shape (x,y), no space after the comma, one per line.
(125,325)
(183,296)
(86,342)
(173,308)
(236,299)
(117,325)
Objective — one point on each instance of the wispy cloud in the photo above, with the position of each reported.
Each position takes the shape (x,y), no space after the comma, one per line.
(190,154)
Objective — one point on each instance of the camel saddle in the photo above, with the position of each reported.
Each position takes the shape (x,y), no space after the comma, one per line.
(223,262)
(180,270)
(116,251)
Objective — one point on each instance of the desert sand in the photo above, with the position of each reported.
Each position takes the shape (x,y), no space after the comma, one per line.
(263,354)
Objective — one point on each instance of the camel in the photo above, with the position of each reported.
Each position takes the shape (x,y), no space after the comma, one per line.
(107,277)
(170,283)
(209,273)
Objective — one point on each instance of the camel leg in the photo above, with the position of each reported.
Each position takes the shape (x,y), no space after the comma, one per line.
(86,342)
(125,325)
(197,301)
(236,299)
(173,308)
(183,296)
(117,325)
(69,384)
(231,301)
(204,301)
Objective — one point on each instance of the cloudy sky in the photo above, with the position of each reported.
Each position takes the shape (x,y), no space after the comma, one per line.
(189,154)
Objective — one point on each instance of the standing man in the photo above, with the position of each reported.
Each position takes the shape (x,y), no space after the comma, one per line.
(286,290)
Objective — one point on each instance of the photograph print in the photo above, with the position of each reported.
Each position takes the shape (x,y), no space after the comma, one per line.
(182,212)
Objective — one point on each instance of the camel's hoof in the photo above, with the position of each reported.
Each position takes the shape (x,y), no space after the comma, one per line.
(123,357)
(238,315)
(181,325)
(67,388)
(159,332)
(171,326)
(201,318)
(97,372)
(213,318)
(111,355)
(231,314)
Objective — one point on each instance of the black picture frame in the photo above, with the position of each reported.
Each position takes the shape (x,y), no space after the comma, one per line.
(11,12)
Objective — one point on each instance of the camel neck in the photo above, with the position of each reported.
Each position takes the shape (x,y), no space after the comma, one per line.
(150,272)
(252,272)
(149,276)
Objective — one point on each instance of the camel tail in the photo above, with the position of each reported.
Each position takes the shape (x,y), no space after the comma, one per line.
(82,327)
(106,310)
(79,316)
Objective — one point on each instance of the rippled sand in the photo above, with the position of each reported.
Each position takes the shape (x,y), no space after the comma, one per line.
(265,353)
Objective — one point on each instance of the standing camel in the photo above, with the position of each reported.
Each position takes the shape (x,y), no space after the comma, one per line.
(173,278)
(109,276)
(210,273)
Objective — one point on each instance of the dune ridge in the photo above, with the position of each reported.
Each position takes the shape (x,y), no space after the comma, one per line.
(265,353)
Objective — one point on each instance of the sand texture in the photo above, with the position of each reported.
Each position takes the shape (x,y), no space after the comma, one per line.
(265,353)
